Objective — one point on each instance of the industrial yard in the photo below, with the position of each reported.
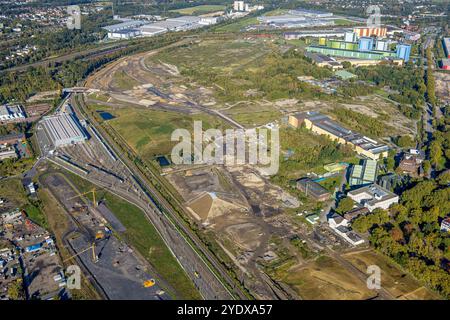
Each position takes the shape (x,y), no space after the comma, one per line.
(238,210)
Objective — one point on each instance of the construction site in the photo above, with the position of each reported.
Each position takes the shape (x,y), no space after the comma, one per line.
(116,270)
(256,227)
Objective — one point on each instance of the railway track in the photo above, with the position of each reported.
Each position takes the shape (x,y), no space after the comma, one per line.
(166,210)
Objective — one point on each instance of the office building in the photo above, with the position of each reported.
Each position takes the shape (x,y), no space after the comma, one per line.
(373,196)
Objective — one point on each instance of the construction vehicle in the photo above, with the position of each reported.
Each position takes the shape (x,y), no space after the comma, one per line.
(99,235)
(88,192)
(94,256)
(149,283)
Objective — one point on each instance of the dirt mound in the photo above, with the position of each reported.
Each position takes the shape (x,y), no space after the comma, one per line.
(209,205)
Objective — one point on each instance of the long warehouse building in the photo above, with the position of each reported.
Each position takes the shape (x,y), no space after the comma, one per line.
(63,129)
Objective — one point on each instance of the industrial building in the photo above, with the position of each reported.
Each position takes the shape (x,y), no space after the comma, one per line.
(446,45)
(150,30)
(357,47)
(364,173)
(313,34)
(322,124)
(12,138)
(313,189)
(311,13)
(135,28)
(299,18)
(379,32)
(129,24)
(373,197)
(63,129)
(11,112)
(124,34)
(7,153)
(322,60)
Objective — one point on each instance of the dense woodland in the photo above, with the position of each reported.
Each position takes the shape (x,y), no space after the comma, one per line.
(409,232)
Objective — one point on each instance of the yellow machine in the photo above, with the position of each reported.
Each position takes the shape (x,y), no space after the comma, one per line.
(94,256)
(149,283)
(82,194)
(99,235)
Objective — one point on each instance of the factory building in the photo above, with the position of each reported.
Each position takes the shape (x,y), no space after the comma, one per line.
(350,37)
(313,34)
(403,51)
(311,13)
(382,45)
(150,30)
(11,112)
(63,129)
(321,60)
(366,48)
(365,44)
(323,125)
(313,189)
(379,32)
(124,34)
(352,54)
(129,24)
(299,18)
(446,45)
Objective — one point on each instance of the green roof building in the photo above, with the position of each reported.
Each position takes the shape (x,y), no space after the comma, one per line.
(345,75)
(364,173)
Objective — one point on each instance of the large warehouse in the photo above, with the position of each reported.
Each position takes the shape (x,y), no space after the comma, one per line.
(63,129)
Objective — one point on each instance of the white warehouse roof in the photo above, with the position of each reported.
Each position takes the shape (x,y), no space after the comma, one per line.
(63,129)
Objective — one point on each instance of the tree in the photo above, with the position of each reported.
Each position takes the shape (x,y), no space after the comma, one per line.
(345,205)
(426,165)
(405,142)
(15,290)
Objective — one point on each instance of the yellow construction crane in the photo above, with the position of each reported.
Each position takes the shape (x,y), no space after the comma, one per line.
(94,256)
(82,194)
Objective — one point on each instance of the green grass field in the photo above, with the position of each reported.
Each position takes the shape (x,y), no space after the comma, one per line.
(223,56)
(124,81)
(251,115)
(143,236)
(149,132)
(201,9)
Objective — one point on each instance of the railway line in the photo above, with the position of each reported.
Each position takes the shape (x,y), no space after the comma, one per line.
(170,225)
